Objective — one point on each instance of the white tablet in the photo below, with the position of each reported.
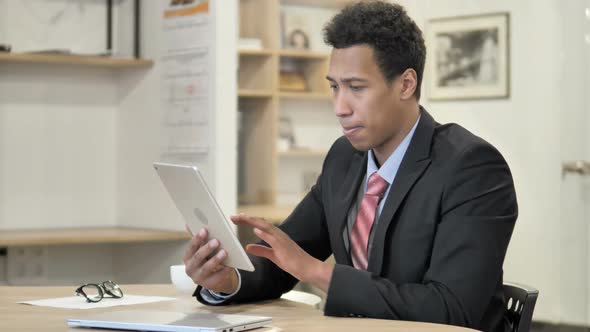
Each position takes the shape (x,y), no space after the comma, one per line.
(196,203)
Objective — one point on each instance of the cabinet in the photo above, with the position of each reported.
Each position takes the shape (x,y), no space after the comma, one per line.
(262,100)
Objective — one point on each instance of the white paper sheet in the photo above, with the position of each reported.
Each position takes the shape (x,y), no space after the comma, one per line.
(78,302)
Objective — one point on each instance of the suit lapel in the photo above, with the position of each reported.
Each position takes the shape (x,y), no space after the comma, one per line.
(343,201)
(414,163)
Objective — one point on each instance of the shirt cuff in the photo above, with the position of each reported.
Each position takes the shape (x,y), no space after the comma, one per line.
(212,297)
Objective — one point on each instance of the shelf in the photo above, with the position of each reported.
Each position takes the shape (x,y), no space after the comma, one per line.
(264,69)
(74,60)
(303,55)
(305,95)
(263,52)
(295,153)
(272,213)
(248,93)
(66,236)
(286,53)
(335,4)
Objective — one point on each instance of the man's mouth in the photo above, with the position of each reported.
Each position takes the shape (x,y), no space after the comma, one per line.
(348,131)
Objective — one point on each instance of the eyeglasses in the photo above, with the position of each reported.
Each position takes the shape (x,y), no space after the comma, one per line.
(96,292)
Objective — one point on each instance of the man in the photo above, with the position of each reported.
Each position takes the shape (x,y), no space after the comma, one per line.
(418,215)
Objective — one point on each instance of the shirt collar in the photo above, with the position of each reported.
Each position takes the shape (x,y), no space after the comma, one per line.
(389,169)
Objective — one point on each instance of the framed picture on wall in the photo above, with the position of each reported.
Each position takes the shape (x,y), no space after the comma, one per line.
(468,57)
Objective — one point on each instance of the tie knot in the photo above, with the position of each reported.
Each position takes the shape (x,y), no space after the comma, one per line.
(376,185)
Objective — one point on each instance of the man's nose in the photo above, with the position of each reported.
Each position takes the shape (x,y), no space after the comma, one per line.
(341,106)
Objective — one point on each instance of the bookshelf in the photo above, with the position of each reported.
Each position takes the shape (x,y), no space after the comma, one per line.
(304,55)
(255,93)
(261,97)
(305,95)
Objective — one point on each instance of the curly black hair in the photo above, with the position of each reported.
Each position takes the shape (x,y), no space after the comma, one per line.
(396,40)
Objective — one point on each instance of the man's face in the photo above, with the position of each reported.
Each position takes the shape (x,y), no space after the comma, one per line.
(367,107)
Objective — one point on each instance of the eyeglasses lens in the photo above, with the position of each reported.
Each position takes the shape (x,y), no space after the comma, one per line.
(112,288)
(92,292)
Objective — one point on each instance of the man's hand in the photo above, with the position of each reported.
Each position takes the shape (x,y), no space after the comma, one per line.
(209,272)
(285,253)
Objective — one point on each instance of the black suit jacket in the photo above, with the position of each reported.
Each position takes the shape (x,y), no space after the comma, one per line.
(439,244)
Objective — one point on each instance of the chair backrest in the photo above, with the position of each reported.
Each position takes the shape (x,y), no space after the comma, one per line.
(520,300)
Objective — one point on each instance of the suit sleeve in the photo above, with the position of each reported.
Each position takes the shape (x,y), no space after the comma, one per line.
(307,227)
(478,212)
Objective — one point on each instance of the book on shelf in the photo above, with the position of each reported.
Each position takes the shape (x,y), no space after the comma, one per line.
(250,44)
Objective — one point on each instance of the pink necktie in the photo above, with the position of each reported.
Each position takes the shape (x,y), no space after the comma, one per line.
(359,237)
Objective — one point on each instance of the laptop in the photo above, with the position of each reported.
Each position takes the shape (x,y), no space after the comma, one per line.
(142,320)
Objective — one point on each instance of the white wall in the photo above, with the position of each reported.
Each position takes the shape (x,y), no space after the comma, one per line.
(77,144)
(56,147)
(574,64)
(142,199)
(225,153)
(58,123)
(525,128)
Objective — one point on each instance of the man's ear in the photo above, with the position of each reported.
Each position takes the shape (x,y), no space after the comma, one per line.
(409,82)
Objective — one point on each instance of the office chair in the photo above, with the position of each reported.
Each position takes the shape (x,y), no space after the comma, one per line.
(520,301)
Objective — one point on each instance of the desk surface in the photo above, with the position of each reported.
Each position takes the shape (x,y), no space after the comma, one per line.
(287,315)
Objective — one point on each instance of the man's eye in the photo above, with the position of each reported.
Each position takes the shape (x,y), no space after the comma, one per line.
(356,88)
(333,87)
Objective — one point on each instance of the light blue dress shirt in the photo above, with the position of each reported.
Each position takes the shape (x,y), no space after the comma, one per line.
(389,169)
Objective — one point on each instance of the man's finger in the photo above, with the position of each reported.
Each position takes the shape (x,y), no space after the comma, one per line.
(259,223)
(260,250)
(195,243)
(213,264)
(200,257)
(266,237)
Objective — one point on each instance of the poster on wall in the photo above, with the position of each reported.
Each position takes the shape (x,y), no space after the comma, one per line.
(186,79)
(468,57)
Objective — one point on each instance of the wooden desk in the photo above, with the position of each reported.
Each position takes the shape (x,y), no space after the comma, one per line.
(287,315)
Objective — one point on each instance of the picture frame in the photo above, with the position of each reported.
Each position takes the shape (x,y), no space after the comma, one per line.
(72,28)
(468,57)
(295,31)
(110,47)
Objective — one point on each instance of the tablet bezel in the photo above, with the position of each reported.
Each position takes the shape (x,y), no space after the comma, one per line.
(186,186)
